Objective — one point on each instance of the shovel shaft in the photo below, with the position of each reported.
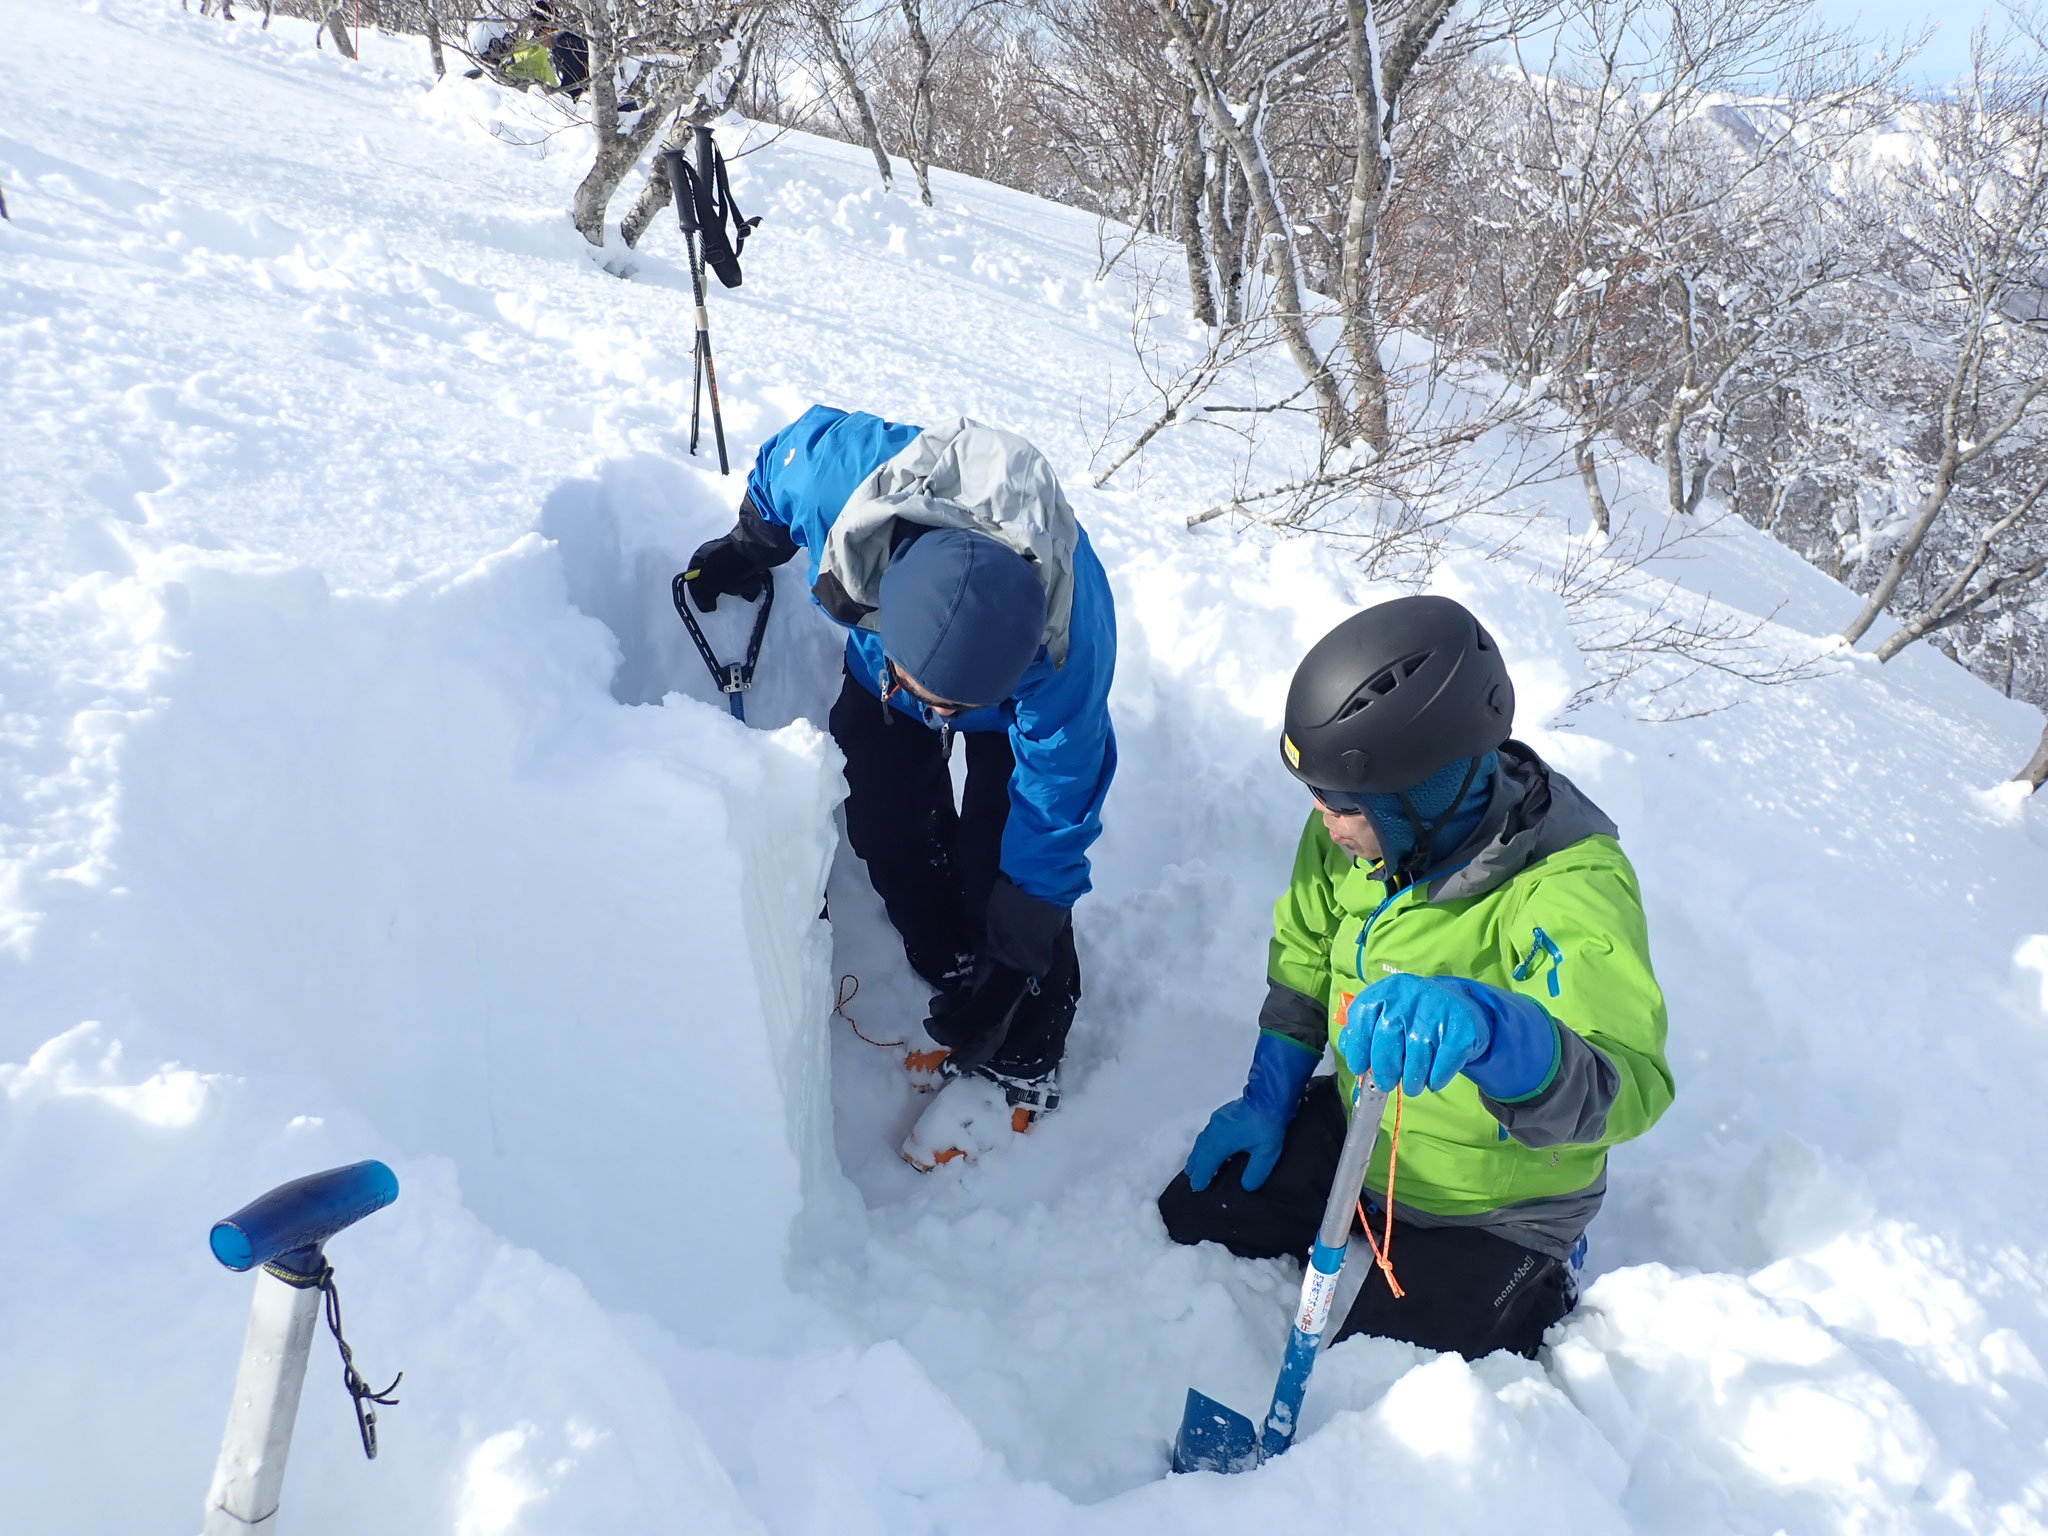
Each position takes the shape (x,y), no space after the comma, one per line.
(249,1476)
(1367,1105)
(1214,1438)
(1326,1263)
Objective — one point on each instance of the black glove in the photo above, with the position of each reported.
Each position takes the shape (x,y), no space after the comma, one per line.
(973,1019)
(738,564)
(723,568)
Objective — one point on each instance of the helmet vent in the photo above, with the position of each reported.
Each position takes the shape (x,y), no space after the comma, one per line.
(1382,683)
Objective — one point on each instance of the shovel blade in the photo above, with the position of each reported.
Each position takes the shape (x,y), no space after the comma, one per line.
(1214,1438)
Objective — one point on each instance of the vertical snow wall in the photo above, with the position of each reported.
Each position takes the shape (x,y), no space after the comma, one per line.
(413,847)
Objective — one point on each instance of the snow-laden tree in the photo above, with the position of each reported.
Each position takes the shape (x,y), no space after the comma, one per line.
(649,59)
(1961,535)
(1376,47)
(1648,237)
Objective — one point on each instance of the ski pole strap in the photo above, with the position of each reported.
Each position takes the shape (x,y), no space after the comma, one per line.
(715,210)
(742,226)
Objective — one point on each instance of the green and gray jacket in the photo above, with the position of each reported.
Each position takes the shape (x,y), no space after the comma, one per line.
(1540,901)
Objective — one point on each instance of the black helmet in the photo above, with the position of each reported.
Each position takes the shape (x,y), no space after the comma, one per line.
(1393,694)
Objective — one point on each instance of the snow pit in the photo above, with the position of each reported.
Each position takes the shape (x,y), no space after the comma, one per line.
(341,816)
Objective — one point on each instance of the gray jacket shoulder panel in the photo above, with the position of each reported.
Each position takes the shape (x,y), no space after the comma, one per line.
(960,474)
(1535,812)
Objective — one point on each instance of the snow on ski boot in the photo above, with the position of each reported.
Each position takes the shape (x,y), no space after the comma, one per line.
(976,1113)
(926,1067)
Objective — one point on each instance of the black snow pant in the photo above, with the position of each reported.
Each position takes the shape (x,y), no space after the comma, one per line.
(934,865)
(1463,1289)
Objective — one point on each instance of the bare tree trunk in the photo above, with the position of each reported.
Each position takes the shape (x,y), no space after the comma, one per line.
(656,193)
(1955,456)
(923,116)
(594,193)
(1957,602)
(2036,771)
(1201,292)
(1275,235)
(1909,546)
(1589,477)
(1377,76)
(1371,170)
(434,40)
(616,151)
(825,18)
(1227,205)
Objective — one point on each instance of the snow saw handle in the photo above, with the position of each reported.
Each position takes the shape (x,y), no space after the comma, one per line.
(302,1214)
(1326,1263)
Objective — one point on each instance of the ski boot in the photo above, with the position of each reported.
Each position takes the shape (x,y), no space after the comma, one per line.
(925,1063)
(926,1067)
(977,1112)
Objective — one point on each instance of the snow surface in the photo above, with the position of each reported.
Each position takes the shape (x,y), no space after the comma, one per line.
(360,796)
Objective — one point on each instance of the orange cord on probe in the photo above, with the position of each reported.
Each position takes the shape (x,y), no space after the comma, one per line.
(849,989)
(1383,1249)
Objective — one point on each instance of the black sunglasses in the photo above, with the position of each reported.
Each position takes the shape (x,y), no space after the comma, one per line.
(1339,802)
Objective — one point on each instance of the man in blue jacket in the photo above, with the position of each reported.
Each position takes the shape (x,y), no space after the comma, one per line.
(974,607)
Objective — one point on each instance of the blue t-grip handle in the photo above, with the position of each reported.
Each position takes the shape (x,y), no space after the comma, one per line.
(302,1214)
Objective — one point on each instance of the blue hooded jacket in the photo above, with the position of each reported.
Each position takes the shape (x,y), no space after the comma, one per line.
(1058,717)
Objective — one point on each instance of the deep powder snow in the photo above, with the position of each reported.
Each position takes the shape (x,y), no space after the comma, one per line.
(360,796)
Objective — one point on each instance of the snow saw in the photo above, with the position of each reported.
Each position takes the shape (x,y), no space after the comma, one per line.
(1214,1438)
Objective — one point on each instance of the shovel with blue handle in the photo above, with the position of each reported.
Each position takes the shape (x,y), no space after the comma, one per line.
(1214,1438)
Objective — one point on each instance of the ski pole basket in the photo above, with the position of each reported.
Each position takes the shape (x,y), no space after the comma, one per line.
(733,678)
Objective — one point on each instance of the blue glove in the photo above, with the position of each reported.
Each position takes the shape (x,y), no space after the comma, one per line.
(1256,1123)
(1419,1032)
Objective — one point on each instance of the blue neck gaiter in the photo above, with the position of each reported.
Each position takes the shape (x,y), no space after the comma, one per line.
(1430,801)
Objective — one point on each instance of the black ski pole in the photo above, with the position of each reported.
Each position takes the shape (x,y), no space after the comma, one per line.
(682,183)
(706,170)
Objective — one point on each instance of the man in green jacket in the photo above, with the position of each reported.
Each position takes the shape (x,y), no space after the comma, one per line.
(1463,923)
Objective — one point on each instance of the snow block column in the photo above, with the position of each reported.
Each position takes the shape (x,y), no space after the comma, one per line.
(415,847)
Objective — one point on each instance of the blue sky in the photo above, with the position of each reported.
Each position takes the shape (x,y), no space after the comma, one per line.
(1946,56)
